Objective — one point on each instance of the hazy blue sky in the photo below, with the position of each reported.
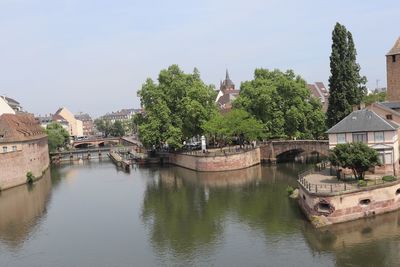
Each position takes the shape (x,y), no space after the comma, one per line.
(93,55)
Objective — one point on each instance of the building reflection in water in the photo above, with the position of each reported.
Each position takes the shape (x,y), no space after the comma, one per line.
(369,242)
(21,209)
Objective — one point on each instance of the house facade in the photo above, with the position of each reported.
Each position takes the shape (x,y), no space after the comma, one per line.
(377,132)
(75,127)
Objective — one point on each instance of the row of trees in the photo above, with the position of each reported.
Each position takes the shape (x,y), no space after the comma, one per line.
(108,128)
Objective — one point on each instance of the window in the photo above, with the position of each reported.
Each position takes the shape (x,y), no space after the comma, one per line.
(389,117)
(393,58)
(388,158)
(360,137)
(378,136)
(341,138)
(4,149)
(14,148)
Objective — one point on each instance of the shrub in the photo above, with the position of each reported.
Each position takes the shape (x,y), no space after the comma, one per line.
(389,178)
(362,183)
(289,190)
(30,177)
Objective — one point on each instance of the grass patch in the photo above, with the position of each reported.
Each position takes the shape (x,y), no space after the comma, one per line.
(30,178)
(362,183)
(389,178)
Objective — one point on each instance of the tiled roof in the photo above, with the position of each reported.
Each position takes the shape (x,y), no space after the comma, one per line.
(395,49)
(391,105)
(19,127)
(363,121)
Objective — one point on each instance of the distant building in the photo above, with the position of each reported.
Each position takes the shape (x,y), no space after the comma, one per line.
(47,119)
(319,91)
(226,94)
(75,127)
(23,149)
(15,105)
(393,72)
(87,123)
(5,108)
(124,116)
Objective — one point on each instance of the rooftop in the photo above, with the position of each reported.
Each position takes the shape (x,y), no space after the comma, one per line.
(19,127)
(363,121)
(395,49)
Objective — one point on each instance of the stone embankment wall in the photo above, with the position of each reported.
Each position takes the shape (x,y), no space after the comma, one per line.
(31,156)
(215,162)
(328,208)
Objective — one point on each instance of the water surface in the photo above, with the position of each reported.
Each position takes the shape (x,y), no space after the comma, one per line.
(92,214)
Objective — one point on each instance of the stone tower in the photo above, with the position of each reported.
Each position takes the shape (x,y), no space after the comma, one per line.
(393,72)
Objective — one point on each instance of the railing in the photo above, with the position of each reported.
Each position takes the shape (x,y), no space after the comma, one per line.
(341,185)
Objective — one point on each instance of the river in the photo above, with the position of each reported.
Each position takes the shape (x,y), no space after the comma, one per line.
(92,214)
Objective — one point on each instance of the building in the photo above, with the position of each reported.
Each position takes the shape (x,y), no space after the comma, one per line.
(369,127)
(75,127)
(47,119)
(319,91)
(5,108)
(124,116)
(15,105)
(23,149)
(226,94)
(393,72)
(87,123)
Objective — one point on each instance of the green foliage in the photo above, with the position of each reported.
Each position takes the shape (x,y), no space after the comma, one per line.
(362,183)
(374,97)
(289,190)
(346,85)
(30,177)
(174,108)
(58,137)
(356,156)
(237,124)
(110,129)
(389,178)
(282,101)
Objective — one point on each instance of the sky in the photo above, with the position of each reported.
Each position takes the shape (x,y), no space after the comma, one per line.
(93,55)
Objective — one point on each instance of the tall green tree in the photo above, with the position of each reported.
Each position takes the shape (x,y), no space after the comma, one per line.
(117,129)
(282,101)
(104,126)
(57,136)
(347,86)
(174,108)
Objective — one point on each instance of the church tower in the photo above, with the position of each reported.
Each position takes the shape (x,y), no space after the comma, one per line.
(393,73)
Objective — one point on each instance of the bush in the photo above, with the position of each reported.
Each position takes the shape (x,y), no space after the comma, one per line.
(30,177)
(362,183)
(289,190)
(389,178)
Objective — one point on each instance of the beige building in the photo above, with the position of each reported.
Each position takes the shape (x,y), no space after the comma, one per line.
(368,127)
(393,72)
(5,108)
(75,127)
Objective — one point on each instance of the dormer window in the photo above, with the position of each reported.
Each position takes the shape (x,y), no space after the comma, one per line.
(389,117)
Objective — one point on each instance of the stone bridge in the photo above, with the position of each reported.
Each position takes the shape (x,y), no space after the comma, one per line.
(272,150)
(105,141)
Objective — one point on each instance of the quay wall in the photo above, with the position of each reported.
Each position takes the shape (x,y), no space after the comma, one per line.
(32,155)
(215,162)
(330,208)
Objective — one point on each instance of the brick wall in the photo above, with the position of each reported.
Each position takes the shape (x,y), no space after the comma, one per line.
(33,157)
(393,78)
(217,163)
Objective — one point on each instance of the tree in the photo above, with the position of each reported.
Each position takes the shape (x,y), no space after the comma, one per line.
(117,129)
(358,157)
(282,102)
(346,85)
(374,97)
(57,136)
(174,108)
(104,126)
(236,124)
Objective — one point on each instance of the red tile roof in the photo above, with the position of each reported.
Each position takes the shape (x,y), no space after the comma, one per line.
(19,127)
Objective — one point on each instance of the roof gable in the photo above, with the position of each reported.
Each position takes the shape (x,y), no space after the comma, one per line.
(395,49)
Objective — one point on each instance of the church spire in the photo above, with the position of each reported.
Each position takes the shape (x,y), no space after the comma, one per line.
(227,75)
